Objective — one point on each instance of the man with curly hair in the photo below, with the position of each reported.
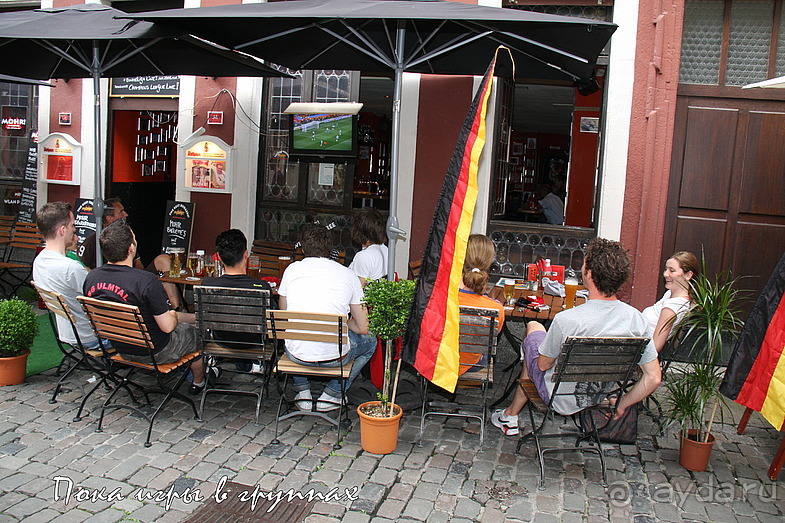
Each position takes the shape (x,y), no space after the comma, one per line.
(606,267)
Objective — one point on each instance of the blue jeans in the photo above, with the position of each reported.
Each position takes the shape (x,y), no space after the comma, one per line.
(361,349)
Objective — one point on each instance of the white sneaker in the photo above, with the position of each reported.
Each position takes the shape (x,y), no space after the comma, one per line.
(256,369)
(508,424)
(303,400)
(327,403)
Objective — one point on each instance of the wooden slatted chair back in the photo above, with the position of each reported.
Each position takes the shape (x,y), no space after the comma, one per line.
(269,254)
(310,326)
(593,359)
(117,321)
(225,309)
(477,335)
(6,229)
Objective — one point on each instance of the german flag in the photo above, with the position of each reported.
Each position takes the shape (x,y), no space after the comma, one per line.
(431,341)
(756,371)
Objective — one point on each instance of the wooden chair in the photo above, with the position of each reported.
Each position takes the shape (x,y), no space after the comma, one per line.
(269,254)
(17,266)
(124,323)
(308,326)
(414,269)
(232,325)
(6,232)
(94,361)
(583,360)
(477,336)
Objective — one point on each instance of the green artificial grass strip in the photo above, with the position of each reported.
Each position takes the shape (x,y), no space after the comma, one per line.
(45,353)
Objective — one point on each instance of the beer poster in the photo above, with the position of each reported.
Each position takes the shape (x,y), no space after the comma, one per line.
(208,165)
(60,159)
(84,219)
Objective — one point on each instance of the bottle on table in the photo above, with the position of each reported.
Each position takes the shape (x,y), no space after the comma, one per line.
(200,263)
(547,274)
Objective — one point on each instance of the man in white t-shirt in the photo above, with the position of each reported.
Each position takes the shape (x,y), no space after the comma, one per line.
(54,271)
(551,205)
(605,269)
(319,284)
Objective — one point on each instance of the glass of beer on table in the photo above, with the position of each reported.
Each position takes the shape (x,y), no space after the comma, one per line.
(176,259)
(570,288)
(253,267)
(193,263)
(509,292)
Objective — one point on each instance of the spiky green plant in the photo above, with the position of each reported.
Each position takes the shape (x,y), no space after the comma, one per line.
(694,397)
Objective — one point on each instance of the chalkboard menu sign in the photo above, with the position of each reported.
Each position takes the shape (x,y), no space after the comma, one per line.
(149,86)
(29,183)
(177,225)
(84,219)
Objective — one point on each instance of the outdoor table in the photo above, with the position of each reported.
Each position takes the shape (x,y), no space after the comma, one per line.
(524,314)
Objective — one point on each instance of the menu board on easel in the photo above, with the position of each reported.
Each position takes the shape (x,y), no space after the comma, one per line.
(84,218)
(177,225)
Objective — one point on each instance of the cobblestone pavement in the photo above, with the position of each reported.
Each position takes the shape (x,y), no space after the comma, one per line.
(449,478)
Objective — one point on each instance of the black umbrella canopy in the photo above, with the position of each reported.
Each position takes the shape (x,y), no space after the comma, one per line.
(58,43)
(441,37)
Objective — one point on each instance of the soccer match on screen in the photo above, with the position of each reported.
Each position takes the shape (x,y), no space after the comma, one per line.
(328,132)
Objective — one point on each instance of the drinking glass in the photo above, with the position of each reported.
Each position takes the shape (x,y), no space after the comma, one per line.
(253,267)
(193,263)
(570,288)
(175,263)
(209,268)
(509,292)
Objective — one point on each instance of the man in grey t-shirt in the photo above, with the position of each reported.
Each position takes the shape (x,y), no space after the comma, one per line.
(606,268)
(54,271)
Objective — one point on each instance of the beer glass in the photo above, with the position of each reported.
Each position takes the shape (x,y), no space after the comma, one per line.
(193,263)
(253,267)
(209,268)
(570,287)
(509,292)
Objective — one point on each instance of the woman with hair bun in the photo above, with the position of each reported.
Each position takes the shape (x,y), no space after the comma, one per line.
(480,253)
(680,268)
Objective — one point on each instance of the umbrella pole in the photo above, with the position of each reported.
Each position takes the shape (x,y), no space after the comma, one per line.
(393,231)
(98,202)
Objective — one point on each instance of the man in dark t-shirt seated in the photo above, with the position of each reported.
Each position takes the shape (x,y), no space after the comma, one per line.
(119,281)
(232,248)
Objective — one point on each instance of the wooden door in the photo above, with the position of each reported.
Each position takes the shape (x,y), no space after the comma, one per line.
(727,189)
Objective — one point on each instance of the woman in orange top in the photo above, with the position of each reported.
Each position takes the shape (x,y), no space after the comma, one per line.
(480,253)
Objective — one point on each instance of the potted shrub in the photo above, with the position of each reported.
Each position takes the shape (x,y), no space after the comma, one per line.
(388,311)
(18,327)
(693,397)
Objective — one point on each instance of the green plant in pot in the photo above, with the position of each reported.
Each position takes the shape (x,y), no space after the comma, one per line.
(693,397)
(18,327)
(388,311)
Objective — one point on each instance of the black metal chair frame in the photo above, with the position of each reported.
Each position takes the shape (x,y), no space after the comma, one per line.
(96,361)
(583,360)
(308,326)
(232,310)
(120,322)
(477,335)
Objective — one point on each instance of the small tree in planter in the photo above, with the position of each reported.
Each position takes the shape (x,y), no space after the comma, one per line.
(693,397)
(388,311)
(18,328)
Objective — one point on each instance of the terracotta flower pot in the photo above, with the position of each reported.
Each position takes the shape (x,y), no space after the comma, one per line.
(694,455)
(13,370)
(379,435)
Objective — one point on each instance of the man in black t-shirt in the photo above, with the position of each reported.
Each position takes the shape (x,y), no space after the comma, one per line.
(232,247)
(119,281)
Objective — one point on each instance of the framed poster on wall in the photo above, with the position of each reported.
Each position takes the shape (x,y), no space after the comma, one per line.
(208,165)
(61,159)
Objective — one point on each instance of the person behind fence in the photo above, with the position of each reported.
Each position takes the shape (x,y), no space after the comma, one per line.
(54,271)
(480,254)
(232,248)
(119,281)
(674,304)
(319,284)
(606,267)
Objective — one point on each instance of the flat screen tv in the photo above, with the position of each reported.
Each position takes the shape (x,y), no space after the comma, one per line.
(323,136)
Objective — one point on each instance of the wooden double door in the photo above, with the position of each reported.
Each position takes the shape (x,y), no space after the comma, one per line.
(727,187)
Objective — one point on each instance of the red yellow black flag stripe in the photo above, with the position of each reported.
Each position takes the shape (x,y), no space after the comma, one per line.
(756,371)
(431,341)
